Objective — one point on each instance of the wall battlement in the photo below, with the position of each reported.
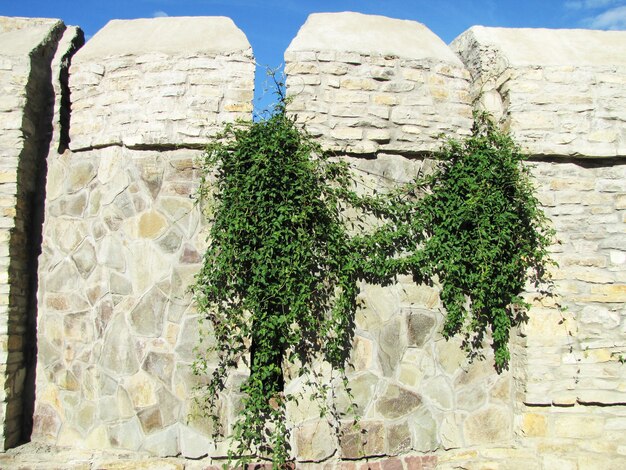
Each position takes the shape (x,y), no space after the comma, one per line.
(113,129)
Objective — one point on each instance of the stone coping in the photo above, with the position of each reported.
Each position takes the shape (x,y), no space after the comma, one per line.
(553,47)
(19,36)
(370,35)
(169,35)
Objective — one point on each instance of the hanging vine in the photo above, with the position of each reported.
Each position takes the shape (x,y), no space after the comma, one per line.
(279,282)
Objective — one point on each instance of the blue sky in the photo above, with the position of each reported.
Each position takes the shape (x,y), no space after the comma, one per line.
(271,24)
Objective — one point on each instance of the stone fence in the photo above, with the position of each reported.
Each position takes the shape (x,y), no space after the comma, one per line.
(100,237)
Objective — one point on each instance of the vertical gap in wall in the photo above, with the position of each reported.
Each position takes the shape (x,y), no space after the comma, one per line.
(26,237)
(65,108)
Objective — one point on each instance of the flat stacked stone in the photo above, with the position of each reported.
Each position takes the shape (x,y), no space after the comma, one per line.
(560,92)
(574,355)
(364,84)
(163,81)
(26,50)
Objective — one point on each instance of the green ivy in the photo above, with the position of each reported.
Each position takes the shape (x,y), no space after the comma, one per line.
(280,278)
(486,237)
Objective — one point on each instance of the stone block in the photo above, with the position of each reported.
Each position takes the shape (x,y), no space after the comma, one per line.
(396,402)
(157,105)
(488,426)
(534,425)
(382,62)
(581,426)
(517,64)
(315,441)
(365,439)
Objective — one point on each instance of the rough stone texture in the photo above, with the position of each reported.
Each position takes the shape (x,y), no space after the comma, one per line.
(163,81)
(123,240)
(560,92)
(113,335)
(27,48)
(123,236)
(573,355)
(365,83)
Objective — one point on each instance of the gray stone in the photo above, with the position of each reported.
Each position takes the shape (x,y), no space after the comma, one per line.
(189,339)
(171,240)
(149,314)
(450,432)
(119,354)
(108,410)
(160,366)
(85,416)
(471,398)
(193,445)
(439,392)
(170,406)
(126,435)
(120,284)
(163,443)
(424,427)
(420,326)
(85,258)
(63,278)
(392,344)
(362,387)
(397,402)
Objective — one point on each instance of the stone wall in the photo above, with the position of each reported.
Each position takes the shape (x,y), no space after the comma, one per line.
(27,47)
(122,238)
(365,84)
(559,92)
(564,104)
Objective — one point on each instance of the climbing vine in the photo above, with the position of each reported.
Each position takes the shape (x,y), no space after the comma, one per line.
(279,282)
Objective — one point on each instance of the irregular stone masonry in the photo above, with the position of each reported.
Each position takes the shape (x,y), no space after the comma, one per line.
(122,240)
(123,237)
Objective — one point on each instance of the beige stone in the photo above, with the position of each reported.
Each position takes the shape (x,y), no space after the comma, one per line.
(151,225)
(488,426)
(315,441)
(577,426)
(534,425)
(141,390)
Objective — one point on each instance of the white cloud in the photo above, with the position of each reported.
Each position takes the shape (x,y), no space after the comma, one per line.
(589,4)
(614,18)
(159,14)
